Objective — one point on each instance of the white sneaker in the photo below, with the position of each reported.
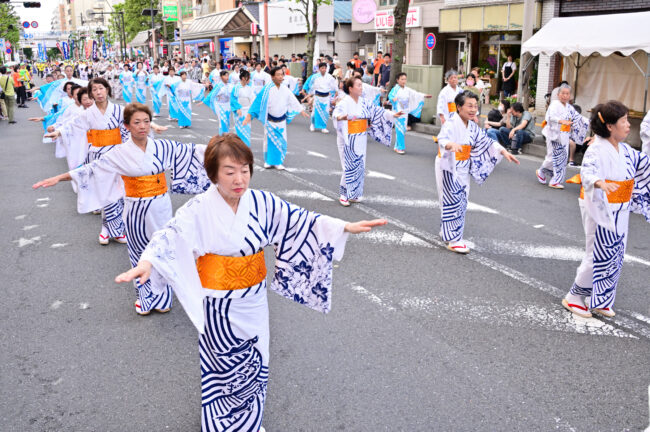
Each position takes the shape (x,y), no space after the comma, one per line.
(267,166)
(280,167)
(325,131)
(458,247)
(311,127)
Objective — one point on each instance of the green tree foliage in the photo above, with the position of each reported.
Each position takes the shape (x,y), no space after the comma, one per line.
(9,24)
(309,10)
(29,53)
(53,53)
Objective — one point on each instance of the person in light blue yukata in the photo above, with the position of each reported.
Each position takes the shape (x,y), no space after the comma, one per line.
(219,101)
(409,102)
(275,106)
(321,86)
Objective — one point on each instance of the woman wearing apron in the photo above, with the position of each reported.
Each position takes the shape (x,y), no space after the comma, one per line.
(508,75)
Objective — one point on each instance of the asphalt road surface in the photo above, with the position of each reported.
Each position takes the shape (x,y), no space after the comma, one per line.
(419,339)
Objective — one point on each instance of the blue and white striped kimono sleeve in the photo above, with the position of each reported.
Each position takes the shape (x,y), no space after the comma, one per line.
(485,154)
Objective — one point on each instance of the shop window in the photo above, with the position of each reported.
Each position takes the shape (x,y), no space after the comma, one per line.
(387,2)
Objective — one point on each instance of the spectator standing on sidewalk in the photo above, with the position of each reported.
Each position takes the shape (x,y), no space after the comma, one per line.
(8,92)
(508,73)
(521,130)
(377,66)
(384,71)
(21,94)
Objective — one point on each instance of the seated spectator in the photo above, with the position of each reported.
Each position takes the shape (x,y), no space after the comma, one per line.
(497,118)
(521,130)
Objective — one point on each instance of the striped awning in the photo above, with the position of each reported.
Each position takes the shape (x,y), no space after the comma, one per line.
(234,22)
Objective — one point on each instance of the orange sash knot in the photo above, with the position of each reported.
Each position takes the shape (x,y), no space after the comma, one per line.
(451,107)
(565,128)
(357,126)
(462,155)
(102,138)
(145,186)
(621,195)
(231,273)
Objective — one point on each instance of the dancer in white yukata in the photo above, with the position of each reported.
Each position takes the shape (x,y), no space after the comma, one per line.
(219,101)
(135,170)
(465,151)
(53,93)
(615,181)
(127,81)
(275,106)
(212,254)
(241,98)
(558,130)
(321,88)
(155,82)
(101,128)
(186,91)
(172,102)
(259,78)
(446,107)
(409,102)
(355,118)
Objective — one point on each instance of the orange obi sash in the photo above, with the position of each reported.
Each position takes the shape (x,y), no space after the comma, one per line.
(462,155)
(565,128)
(451,107)
(357,126)
(145,186)
(231,273)
(621,195)
(544,124)
(102,138)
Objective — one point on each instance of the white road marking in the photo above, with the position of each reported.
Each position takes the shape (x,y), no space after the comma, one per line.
(377,174)
(392,237)
(22,242)
(620,320)
(57,304)
(213,120)
(19,217)
(563,253)
(538,226)
(42,205)
(58,381)
(42,199)
(316,154)
(58,245)
(84,306)
(303,194)
(372,297)
(29,227)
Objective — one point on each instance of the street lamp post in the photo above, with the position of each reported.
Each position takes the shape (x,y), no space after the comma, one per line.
(179,15)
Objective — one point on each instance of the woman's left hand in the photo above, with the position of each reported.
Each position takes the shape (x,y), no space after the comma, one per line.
(363,226)
(158,128)
(507,155)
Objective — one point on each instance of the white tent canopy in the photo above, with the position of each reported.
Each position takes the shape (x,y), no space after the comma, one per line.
(587,35)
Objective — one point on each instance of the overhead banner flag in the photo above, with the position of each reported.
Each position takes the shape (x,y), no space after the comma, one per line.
(72,47)
(94,50)
(66,51)
(58,45)
(104,52)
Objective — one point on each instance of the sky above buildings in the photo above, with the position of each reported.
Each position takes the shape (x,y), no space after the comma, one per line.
(42,15)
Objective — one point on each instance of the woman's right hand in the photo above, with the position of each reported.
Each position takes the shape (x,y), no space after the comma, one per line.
(606,187)
(141,271)
(54,134)
(48,182)
(454,147)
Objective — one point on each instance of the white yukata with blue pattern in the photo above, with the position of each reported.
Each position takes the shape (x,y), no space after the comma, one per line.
(453,176)
(605,224)
(234,325)
(100,182)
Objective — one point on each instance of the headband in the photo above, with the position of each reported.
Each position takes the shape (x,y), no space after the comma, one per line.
(601,117)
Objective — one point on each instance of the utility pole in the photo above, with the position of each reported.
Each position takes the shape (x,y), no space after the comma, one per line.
(123,34)
(526,60)
(266,33)
(179,15)
(153,35)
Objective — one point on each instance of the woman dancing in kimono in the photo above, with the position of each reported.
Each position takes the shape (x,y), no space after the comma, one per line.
(172,102)
(102,127)
(356,117)
(408,101)
(219,101)
(241,98)
(464,150)
(185,92)
(138,166)
(212,254)
(562,121)
(615,180)
(140,77)
(128,83)
(155,82)
(446,107)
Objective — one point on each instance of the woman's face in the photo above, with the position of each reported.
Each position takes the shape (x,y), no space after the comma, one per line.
(99,93)
(139,125)
(620,130)
(453,80)
(233,178)
(402,81)
(564,95)
(357,88)
(469,109)
(470,81)
(86,101)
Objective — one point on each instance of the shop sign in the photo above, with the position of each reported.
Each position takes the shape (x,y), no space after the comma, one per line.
(385,20)
(364,11)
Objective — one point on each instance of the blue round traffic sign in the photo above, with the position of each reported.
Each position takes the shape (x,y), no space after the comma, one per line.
(26,24)
(34,24)
(8,50)
(431,41)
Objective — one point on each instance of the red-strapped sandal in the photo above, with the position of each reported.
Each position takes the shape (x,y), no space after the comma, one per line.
(580,310)
(606,312)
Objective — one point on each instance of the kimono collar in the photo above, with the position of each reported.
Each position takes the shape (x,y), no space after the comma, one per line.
(236,224)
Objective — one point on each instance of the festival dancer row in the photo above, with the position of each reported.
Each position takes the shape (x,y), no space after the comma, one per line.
(212,254)
(135,172)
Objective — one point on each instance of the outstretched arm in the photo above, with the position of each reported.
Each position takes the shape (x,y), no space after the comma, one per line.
(52,181)
(363,226)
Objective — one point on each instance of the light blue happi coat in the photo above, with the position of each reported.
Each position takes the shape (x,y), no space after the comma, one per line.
(243,132)
(220,109)
(127,81)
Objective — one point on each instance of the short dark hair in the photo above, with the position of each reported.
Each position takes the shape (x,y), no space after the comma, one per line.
(518,106)
(462,97)
(224,72)
(578,108)
(506,104)
(274,71)
(322,64)
(223,146)
(100,81)
(348,83)
(182,73)
(244,74)
(400,75)
(387,55)
(133,108)
(607,113)
(356,53)
(66,85)
(83,91)
(360,70)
